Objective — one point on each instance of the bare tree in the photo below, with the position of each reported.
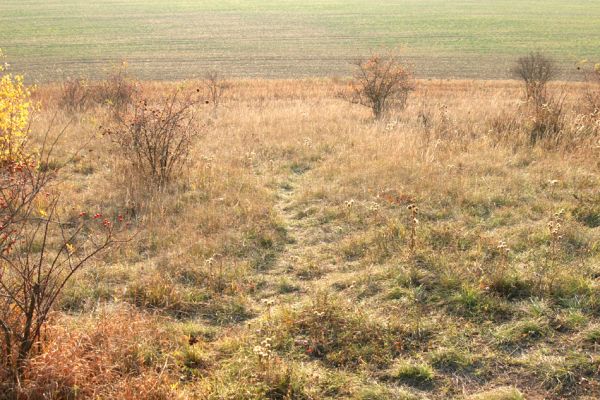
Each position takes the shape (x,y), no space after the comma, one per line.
(535,70)
(381,82)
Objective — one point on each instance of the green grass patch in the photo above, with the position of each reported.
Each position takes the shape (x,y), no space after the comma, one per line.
(183,38)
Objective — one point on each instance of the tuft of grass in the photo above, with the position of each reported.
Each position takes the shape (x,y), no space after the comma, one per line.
(592,335)
(192,361)
(255,373)
(521,333)
(511,286)
(377,392)
(330,330)
(563,374)
(473,302)
(570,320)
(80,296)
(286,286)
(451,359)
(415,374)
(501,393)
(587,211)
(137,346)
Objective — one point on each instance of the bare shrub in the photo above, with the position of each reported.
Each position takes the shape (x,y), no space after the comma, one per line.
(592,93)
(215,87)
(545,110)
(381,83)
(76,95)
(156,139)
(39,253)
(535,70)
(118,90)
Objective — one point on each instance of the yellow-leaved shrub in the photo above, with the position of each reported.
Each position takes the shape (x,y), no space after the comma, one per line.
(15,105)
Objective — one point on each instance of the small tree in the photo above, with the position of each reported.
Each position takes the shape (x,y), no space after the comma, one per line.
(381,83)
(156,139)
(535,70)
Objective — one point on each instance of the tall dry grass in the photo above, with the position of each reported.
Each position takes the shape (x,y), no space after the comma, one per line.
(206,247)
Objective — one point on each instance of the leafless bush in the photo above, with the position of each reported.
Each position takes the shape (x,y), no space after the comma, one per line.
(118,90)
(535,70)
(592,93)
(75,95)
(156,139)
(546,110)
(381,83)
(215,87)
(39,253)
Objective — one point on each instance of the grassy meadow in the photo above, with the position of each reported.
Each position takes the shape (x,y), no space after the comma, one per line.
(301,249)
(285,264)
(54,39)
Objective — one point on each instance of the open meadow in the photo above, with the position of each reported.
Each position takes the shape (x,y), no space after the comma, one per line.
(285,263)
(240,213)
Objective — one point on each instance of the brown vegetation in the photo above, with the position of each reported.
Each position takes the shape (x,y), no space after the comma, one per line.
(285,263)
(156,136)
(536,71)
(381,83)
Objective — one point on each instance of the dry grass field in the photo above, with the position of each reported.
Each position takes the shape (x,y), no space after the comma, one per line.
(285,262)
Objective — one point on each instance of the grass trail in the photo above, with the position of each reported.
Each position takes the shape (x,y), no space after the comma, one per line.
(305,258)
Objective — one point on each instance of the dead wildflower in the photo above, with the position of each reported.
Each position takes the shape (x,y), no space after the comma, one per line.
(373,206)
(554,226)
(414,222)
(269,303)
(555,230)
(418,299)
(215,87)
(264,351)
(553,183)
(392,125)
(504,250)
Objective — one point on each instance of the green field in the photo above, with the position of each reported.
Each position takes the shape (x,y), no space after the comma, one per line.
(162,39)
